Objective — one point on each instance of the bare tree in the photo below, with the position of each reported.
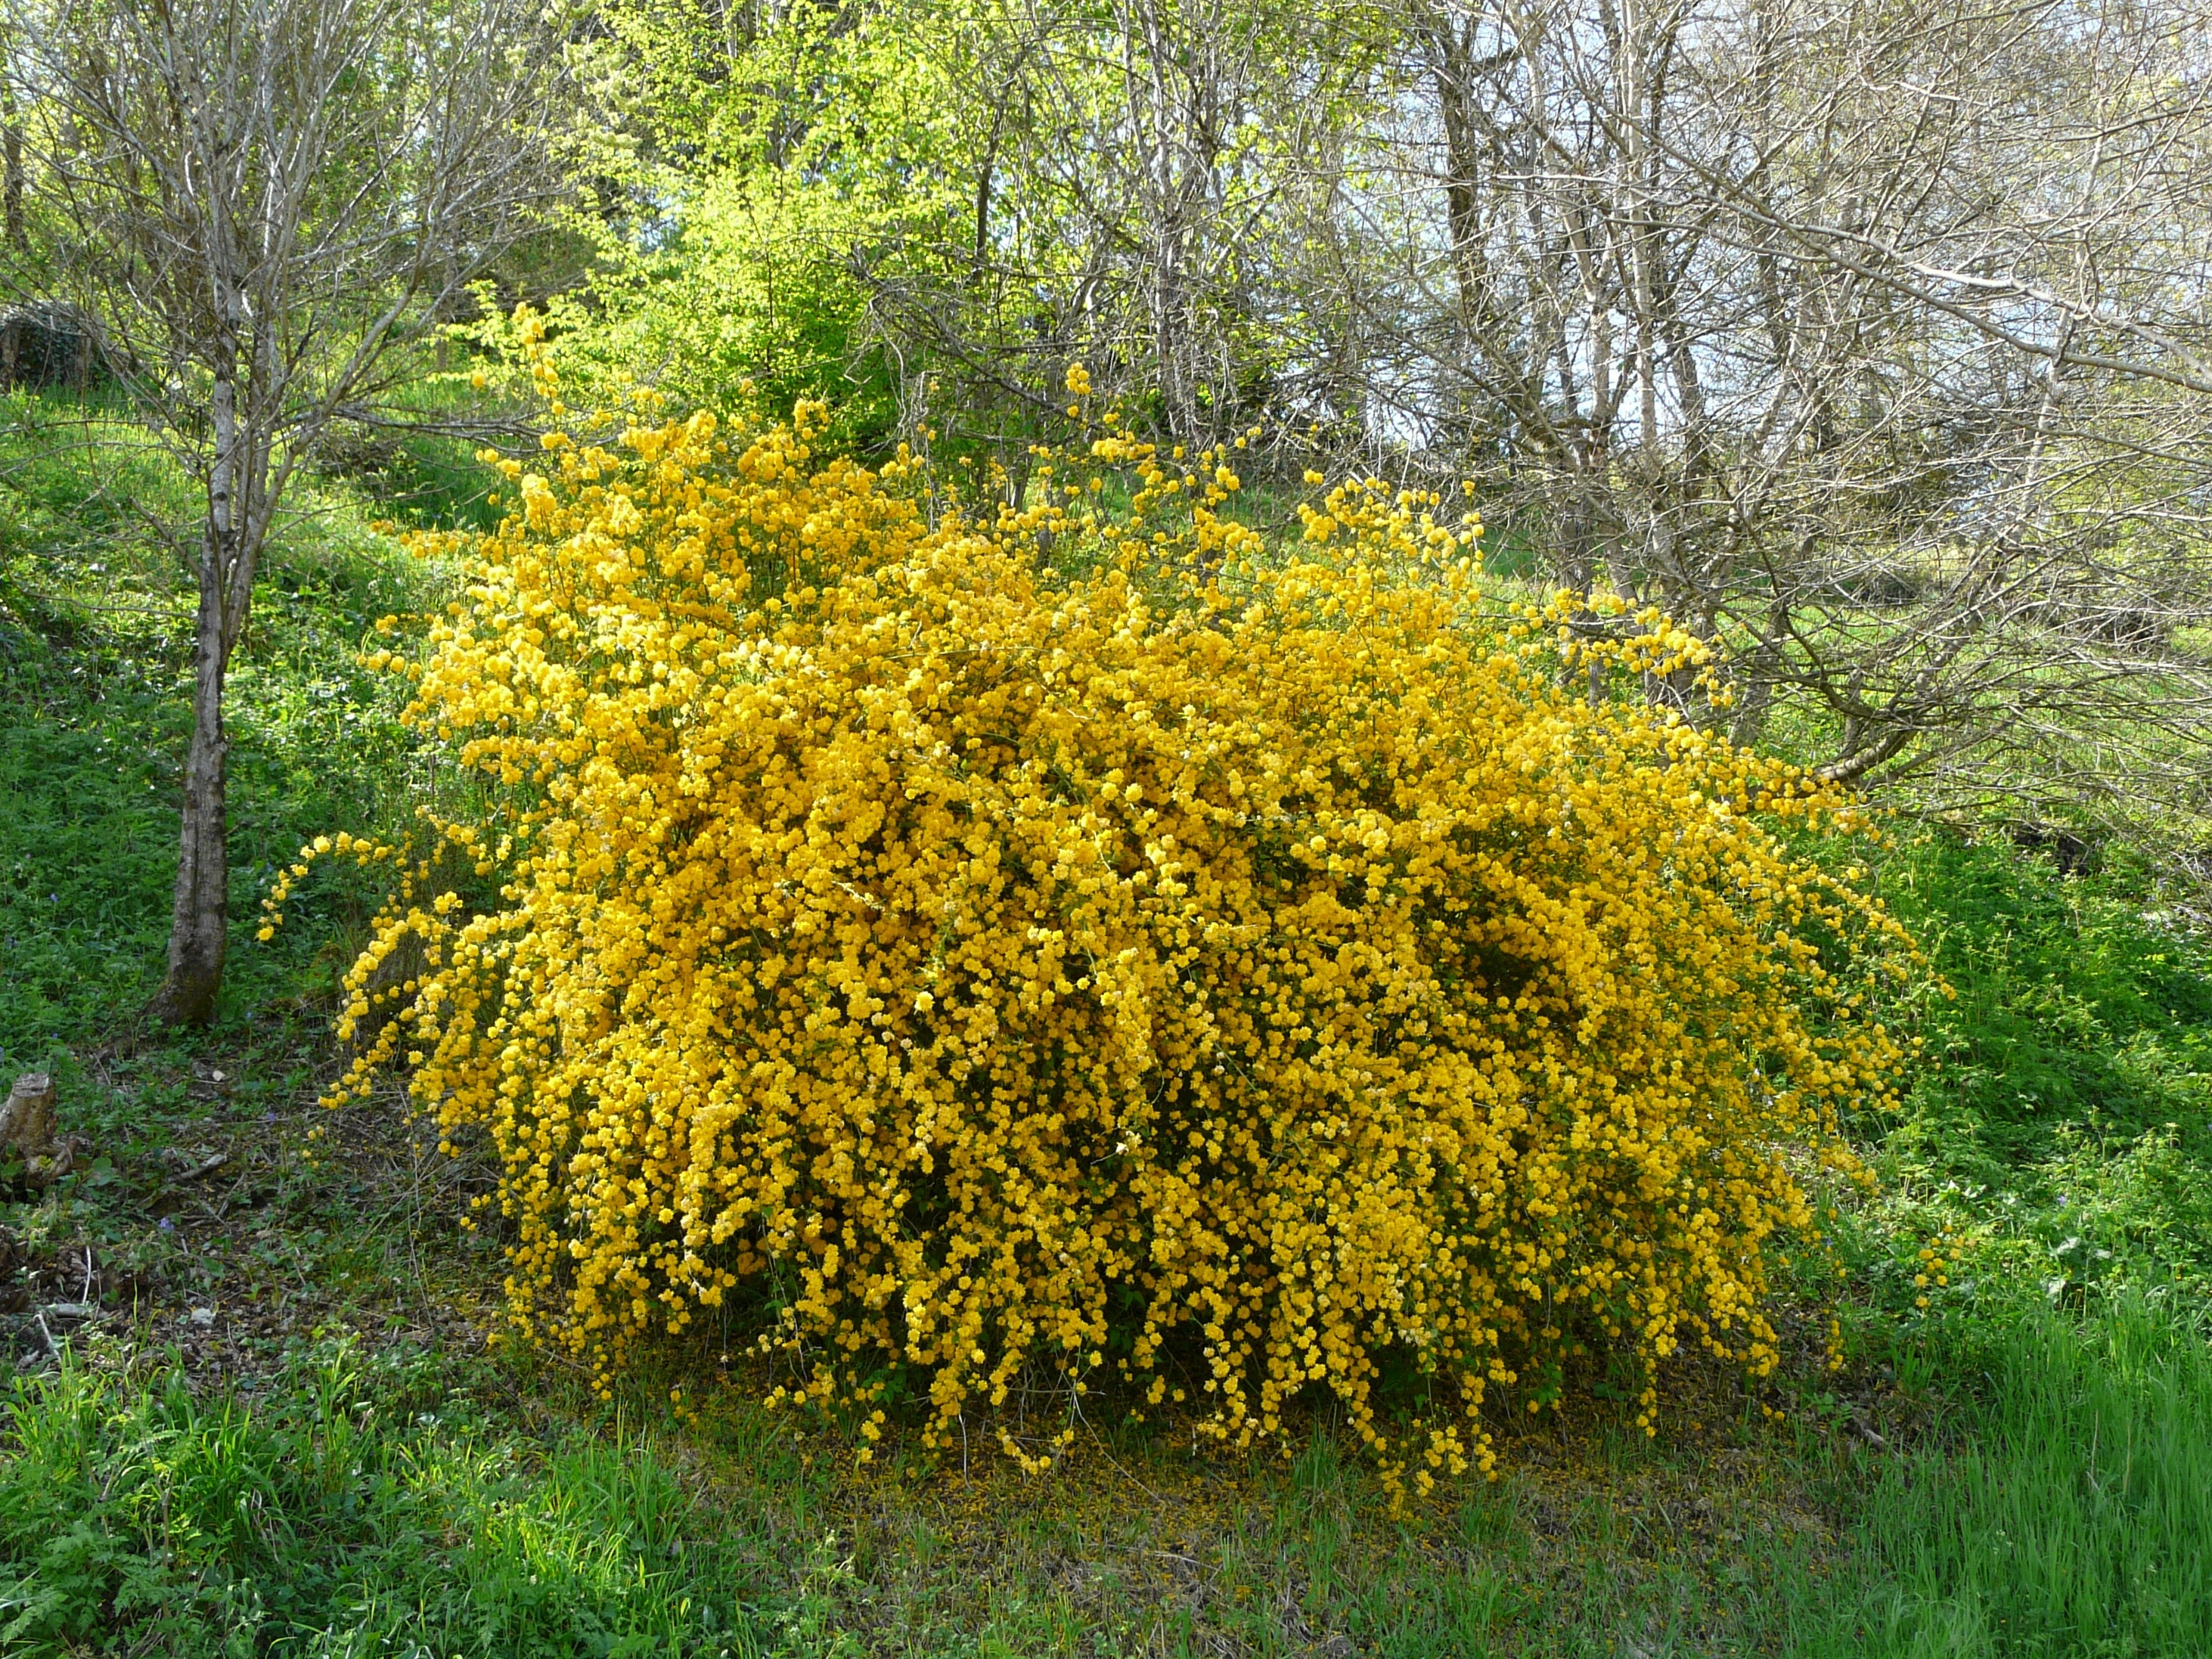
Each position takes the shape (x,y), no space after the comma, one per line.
(262,197)
(1873,340)
(1138,171)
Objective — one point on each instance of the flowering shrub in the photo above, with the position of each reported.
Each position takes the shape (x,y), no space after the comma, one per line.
(1046,942)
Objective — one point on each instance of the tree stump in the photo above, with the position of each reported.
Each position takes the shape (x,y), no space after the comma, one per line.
(27,1129)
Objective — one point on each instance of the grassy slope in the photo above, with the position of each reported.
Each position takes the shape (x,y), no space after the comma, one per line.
(282,1431)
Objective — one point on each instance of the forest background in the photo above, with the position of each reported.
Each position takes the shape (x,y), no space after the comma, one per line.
(1871,343)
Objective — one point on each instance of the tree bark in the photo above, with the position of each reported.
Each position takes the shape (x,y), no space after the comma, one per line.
(200,912)
(11,170)
(200,917)
(11,224)
(11,183)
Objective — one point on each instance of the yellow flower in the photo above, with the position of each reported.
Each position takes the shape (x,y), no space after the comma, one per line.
(1253,958)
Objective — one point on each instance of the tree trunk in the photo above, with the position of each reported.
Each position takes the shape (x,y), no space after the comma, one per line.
(199,918)
(11,171)
(11,183)
(11,226)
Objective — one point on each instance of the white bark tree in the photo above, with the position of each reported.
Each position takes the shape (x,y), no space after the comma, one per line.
(262,198)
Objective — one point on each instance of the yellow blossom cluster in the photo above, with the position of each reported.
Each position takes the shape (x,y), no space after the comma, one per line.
(1931,1267)
(1032,944)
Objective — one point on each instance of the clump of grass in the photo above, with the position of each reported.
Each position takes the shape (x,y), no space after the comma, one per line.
(2053,1158)
(345,1513)
(2057,1137)
(2062,1511)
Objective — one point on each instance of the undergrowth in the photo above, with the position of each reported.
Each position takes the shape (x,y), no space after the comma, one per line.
(361,1509)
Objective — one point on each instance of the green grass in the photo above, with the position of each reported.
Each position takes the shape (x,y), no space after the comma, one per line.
(2057,1391)
(2061,1120)
(363,1510)
(422,472)
(95,664)
(403,1501)
(328,1463)
(2071,1512)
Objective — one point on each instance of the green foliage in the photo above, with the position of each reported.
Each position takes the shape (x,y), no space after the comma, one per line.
(359,1507)
(2062,1122)
(430,476)
(926,213)
(753,303)
(774,179)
